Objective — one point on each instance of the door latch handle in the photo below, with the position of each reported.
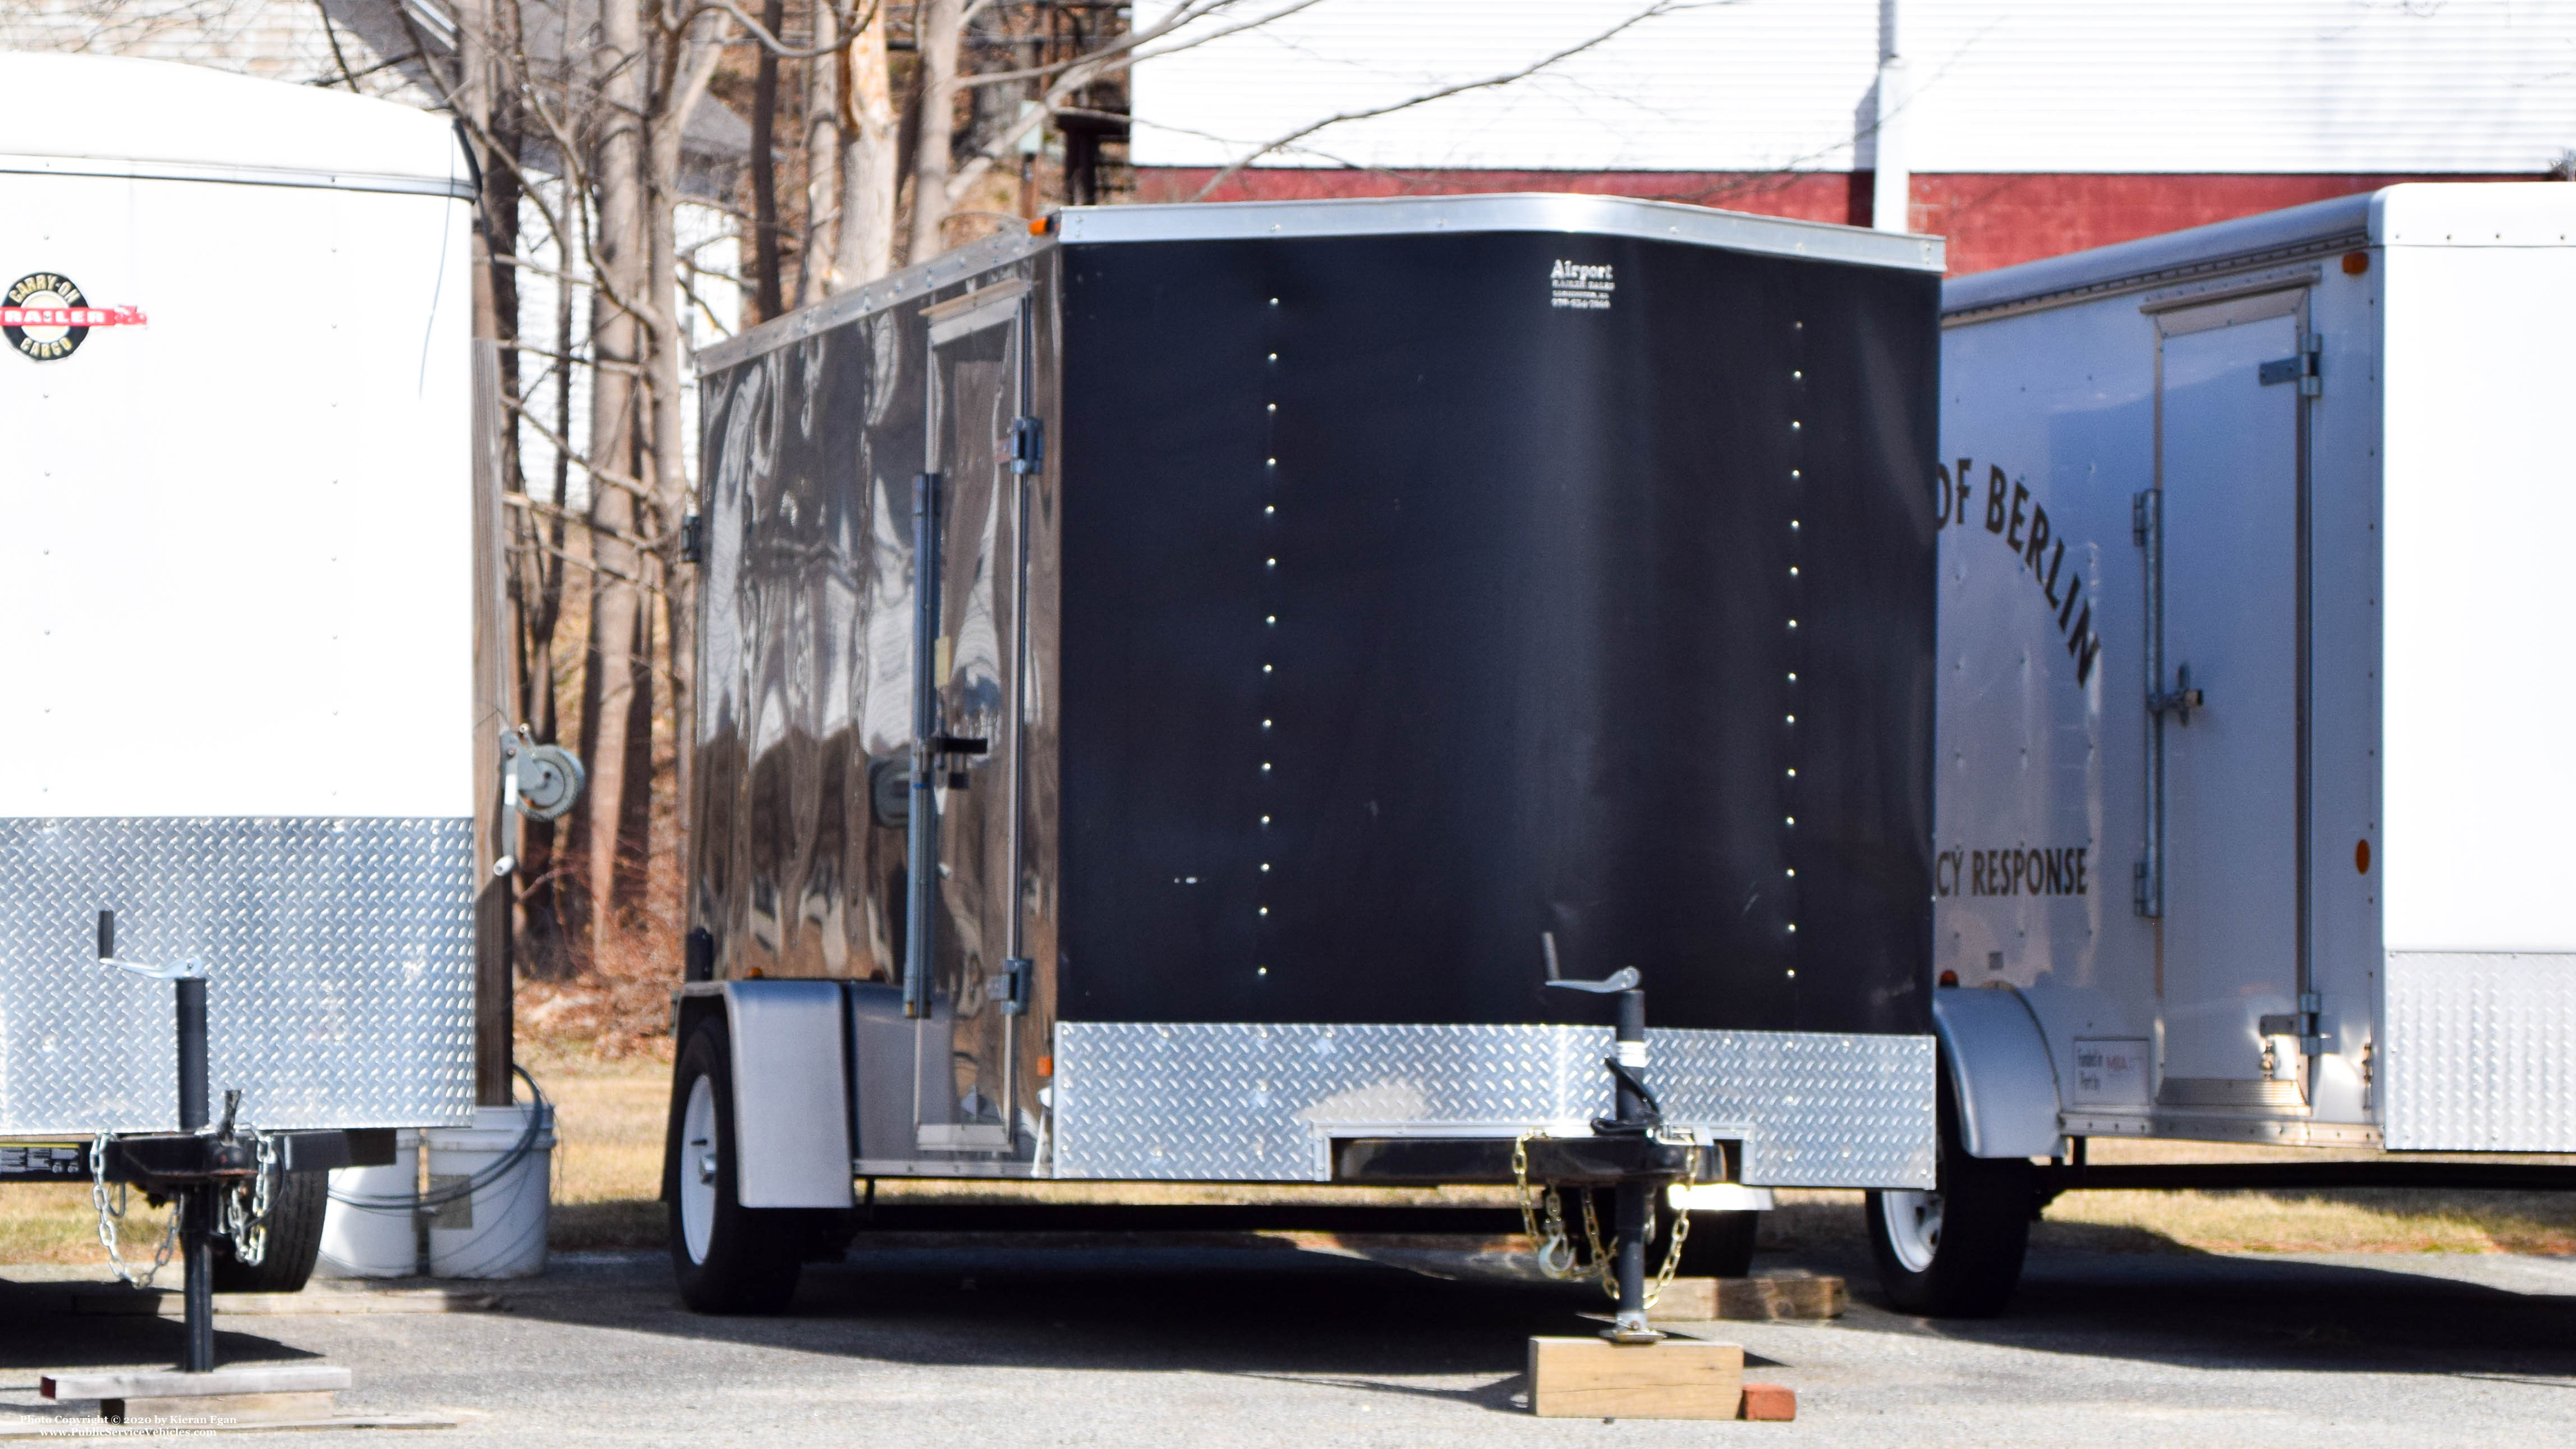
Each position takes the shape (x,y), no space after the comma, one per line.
(2182,699)
(950,746)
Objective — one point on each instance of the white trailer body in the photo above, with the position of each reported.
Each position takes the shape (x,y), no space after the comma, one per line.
(236,598)
(2253,794)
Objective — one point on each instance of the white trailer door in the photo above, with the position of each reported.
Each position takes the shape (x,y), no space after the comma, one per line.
(2229,466)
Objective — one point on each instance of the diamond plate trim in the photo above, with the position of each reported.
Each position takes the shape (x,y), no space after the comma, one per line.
(339,957)
(1259,1103)
(2479,1053)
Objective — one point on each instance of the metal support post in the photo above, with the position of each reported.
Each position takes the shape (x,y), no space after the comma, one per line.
(196,1205)
(1633,1207)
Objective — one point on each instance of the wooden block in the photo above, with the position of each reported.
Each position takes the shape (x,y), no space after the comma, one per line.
(1699,1300)
(1685,1300)
(1593,1378)
(1757,1299)
(213,1411)
(1777,1403)
(312,1300)
(172,1384)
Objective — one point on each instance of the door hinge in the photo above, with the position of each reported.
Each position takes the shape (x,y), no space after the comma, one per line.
(2141,517)
(1028,444)
(2303,367)
(693,538)
(1011,988)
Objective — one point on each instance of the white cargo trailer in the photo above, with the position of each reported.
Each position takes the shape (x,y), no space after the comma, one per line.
(2253,797)
(238,600)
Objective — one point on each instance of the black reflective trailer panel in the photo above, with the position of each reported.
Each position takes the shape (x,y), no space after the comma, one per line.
(803,665)
(1423,594)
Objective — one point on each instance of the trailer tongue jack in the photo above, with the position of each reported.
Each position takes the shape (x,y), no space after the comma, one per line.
(1627,1150)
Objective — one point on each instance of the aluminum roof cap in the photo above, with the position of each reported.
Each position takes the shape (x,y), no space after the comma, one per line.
(1538,211)
(88,115)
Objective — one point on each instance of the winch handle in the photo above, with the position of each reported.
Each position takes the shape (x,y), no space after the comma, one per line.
(1623,979)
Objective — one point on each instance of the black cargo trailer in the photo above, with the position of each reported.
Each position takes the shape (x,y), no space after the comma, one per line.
(1176,685)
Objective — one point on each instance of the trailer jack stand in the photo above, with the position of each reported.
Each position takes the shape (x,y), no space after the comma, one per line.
(201,1166)
(1635,1124)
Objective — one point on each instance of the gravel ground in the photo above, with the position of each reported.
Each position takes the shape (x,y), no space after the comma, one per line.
(1102,1341)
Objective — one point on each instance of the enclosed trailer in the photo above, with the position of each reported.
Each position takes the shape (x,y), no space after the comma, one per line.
(238,587)
(1175,685)
(2252,787)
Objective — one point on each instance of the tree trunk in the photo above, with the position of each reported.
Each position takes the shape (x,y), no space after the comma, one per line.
(693,69)
(609,672)
(814,277)
(871,163)
(768,294)
(940,24)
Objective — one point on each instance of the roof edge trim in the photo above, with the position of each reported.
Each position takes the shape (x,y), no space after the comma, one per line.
(459,187)
(948,267)
(1526,211)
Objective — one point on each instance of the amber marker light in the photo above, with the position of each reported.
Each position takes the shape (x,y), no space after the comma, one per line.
(2355,263)
(2361,856)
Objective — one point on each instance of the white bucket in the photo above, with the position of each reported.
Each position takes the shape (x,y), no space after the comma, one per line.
(374,1241)
(498,1230)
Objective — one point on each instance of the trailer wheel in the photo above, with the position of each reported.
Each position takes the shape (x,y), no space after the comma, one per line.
(1720,1245)
(295,1211)
(1956,1251)
(729,1258)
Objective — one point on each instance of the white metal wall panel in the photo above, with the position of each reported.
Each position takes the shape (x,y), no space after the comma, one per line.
(237,576)
(1996,85)
(2480,294)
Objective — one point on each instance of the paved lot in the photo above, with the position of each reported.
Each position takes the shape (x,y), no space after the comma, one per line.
(1102,1343)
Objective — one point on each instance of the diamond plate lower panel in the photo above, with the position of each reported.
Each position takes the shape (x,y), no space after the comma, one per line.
(2479,1052)
(1245,1102)
(339,958)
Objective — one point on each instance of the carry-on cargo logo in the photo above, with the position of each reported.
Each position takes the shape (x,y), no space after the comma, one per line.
(47,318)
(2014,516)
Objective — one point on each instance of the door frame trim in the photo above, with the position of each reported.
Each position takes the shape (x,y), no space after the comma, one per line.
(2292,297)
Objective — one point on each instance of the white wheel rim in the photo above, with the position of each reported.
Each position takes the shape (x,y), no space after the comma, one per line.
(1913,1227)
(697,1169)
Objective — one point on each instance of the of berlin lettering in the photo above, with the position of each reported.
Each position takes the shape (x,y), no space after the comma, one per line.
(2022,523)
(2013,871)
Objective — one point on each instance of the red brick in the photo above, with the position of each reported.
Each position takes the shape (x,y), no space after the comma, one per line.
(1775,1402)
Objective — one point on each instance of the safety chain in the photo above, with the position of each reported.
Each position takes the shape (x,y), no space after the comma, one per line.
(1555,1250)
(246,1206)
(110,1215)
(1672,1251)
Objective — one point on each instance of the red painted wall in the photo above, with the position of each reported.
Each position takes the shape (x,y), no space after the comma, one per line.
(1991,220)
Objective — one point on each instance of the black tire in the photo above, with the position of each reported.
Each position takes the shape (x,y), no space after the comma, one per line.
(751,1257)
(1979,1220)
(1720,1245)
(295,1209)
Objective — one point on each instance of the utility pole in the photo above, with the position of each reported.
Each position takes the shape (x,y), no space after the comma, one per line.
(1891,199)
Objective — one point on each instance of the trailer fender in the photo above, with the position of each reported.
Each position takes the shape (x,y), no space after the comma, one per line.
(791,1106)
(2000,1073)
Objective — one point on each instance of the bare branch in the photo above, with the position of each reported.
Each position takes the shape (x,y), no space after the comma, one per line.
(1109,60)
(1661,8)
